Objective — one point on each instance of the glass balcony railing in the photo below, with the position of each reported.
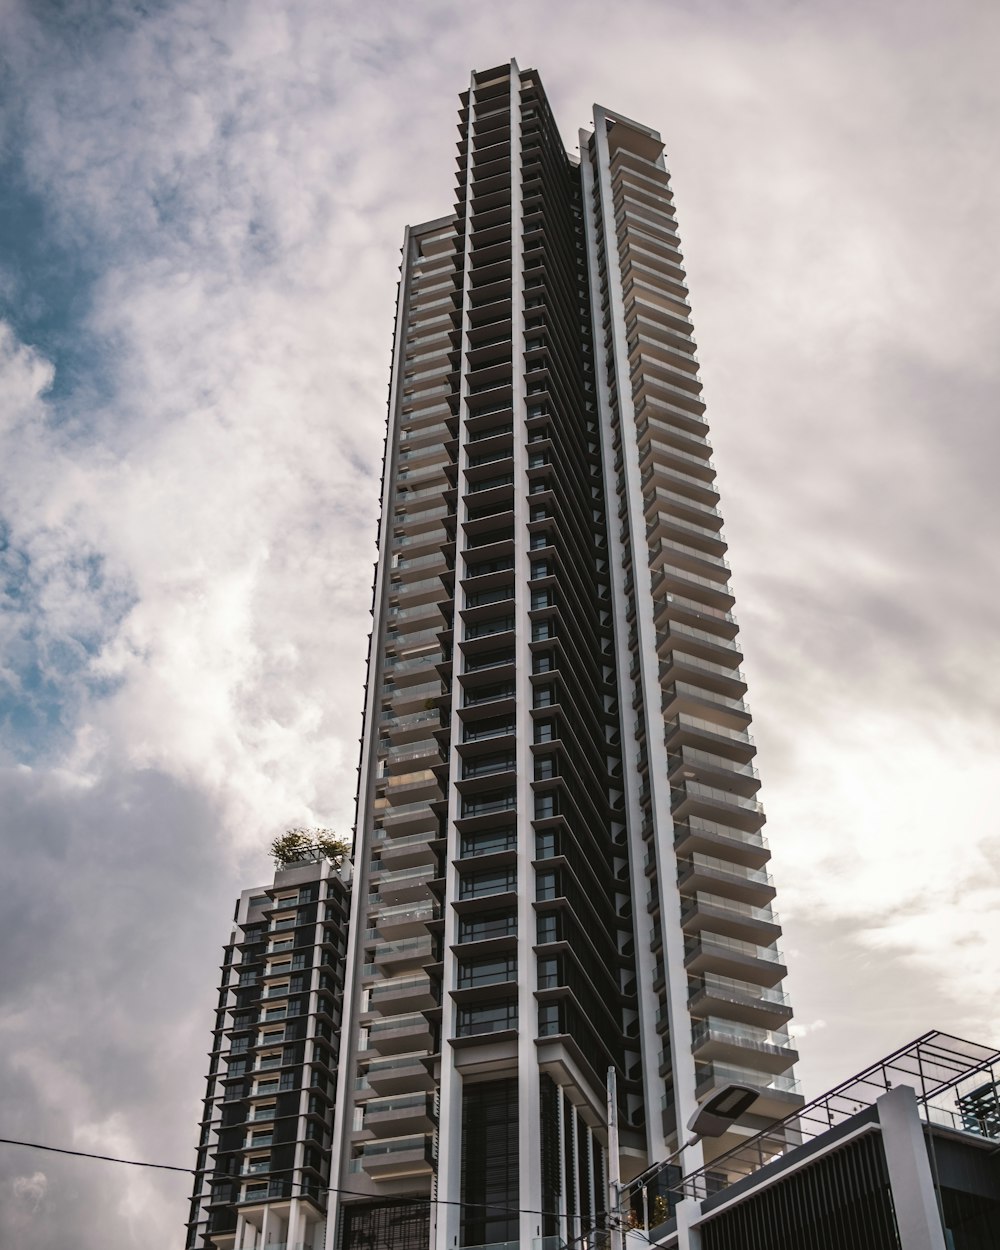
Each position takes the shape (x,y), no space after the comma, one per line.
(730,672)
(396,1025)
(727,1073)
(668,497)
(404,588)
(395,986)
(427,690)
(719,903)
(410,614)
(423,516)
(732,987)
(716,1029)
(712,864)
(401,811)
(717,941)
(711,794)
(411,839)
(391,721)
(699,692)
(395,1145)
(414,948)
(396,1103)
(694,757)
(673,572)
(403,876)
(680,603)
(397,1063)
(695,723)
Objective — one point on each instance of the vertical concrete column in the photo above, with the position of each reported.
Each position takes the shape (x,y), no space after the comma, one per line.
(910,1180)
(688,1236)
(293,1233)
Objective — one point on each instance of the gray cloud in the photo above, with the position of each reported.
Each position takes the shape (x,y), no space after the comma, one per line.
(116,902)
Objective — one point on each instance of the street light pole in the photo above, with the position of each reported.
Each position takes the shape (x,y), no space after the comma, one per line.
(712,1117)
(614,1165)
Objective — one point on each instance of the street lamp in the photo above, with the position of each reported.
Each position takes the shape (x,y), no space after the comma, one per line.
(713,1116)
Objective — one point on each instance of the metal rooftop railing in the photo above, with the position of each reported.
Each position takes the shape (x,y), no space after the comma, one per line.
(956,1086)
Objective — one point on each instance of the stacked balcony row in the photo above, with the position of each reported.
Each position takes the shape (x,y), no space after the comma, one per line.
(719,852)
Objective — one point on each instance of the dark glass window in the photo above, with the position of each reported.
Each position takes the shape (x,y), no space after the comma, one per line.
(548,974)
(486,1018)
(487,971)
(545,767)
(546,844)
(492,881)
(545,806)
(483,765)
(546,885)
(488,843)
(491,801)
(486,925)
(548,1019)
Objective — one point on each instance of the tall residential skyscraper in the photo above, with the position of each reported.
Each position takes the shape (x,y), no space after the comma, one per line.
(559,863)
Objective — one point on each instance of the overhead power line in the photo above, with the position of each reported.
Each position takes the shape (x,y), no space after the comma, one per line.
(330,1189)
(86,1154)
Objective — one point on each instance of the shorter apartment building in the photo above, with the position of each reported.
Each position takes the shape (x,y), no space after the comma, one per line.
(904,1155)
(264,1149)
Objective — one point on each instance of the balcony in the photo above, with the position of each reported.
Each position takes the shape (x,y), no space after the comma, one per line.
(397,1158)
(404,920)
(411,850)
(401,1074)
(778,1096)
(684,697)
(412,786)
(715,876)
(404,993)
(408,726)
(693,798)
(417,952)
(707,592)
(426,752)
(399,1034)
(398,885)
(690,763)
(730,957)
(718,679)
(724,915)
(736,999)
(408,1113)
(413,698)
(407,818)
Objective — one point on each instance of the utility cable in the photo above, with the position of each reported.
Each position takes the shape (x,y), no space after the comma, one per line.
(86,1154)
(330,1189)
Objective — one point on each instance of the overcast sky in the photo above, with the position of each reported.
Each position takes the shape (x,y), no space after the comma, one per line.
(201,207)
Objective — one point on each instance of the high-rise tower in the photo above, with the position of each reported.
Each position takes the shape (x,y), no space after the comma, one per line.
(264,1147)
(559,867)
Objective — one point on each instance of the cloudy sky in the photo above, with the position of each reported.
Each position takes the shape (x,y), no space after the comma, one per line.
(201,205)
